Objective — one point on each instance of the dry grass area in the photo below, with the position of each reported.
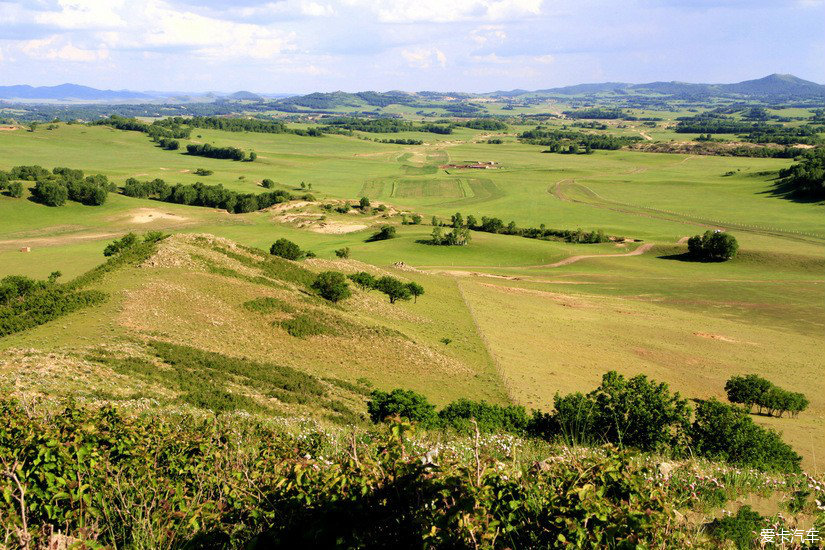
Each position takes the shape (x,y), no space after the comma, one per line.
(546,342)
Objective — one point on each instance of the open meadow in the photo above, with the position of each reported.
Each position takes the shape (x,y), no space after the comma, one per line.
(525,318)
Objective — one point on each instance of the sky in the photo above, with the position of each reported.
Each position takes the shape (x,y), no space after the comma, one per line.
(301,46)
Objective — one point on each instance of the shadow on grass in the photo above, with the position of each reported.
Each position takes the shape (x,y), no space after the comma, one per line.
(688,257)
(786,190)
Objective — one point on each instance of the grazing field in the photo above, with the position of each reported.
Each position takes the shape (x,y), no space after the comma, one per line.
(522,318)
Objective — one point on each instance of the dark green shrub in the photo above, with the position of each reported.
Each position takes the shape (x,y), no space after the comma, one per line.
(115,247)
(287,249)
(743,528)
(343,252)
(404,403)
(490,418)
(722,432)
(50,193)
(384,233)
(393,288)
(363,279)
(713,246)
(14,189)
(332,286)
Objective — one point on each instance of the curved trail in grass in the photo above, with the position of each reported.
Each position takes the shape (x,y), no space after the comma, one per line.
(573,259)
(591,198)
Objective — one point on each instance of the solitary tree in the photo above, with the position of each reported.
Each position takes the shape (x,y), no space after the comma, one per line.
(416,290)
(393,288)
(286,249)
(364,203)
(332,286)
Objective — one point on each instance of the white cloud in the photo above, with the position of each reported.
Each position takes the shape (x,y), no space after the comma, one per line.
(56,48)
(439,11)
(423,58)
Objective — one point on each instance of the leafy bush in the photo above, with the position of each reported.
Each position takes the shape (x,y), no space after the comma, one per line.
(713,246)
(393,288)
(384,233)
(287,249)
(722,432)
(332,286)
(635,413)
(50,193)
(490,418)
(26,303)
(14,189)
(343,252)
(404,403)
(742,528)
(117,246)
(363,279)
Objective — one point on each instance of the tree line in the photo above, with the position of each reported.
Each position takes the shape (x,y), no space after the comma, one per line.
(387,125)
(55,187)
(496,225)
(806,178)
(211,196)
(635,412)
(210,151)
(573,142)
(750,390)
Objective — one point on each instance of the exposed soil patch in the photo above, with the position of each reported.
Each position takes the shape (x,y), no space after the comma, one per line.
(148,215)
(337,228)
(572,259)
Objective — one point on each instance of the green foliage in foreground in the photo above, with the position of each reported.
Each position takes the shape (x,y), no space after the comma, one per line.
(635,412)
(154,481)
(806,179)
(713,246)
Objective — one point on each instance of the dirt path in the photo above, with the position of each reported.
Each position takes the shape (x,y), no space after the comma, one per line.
(572,259)
(39,242)
(644,135)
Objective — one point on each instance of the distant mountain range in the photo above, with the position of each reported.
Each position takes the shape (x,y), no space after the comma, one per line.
(775,86)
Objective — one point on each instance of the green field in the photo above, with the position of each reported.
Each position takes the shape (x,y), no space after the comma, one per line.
(519,327)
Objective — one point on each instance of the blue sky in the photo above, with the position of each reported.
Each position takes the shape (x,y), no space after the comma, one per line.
(300,46)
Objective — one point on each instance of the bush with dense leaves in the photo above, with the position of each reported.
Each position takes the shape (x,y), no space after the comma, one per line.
(287,249)
(713,246)
(404,403)
(722,432)
(332,286)
(384,233)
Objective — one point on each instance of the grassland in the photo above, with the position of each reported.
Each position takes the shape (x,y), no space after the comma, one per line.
(519,329)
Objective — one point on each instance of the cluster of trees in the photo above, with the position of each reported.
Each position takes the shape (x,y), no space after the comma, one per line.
(129,240)
(573,142)
(806,178)
(489,417)
(387,125)
(458,236)
(332,286)
(490,124)
(635,412)
(395,289)
(401,141)
(750,390)
(11,188)
(211,196)
(26,302)
(753,130)
(55,187)
(496,225)
(166,128)
(595,112)
(210,151)
(714,246)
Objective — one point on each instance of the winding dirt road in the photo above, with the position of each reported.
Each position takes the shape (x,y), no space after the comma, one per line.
(572,259)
